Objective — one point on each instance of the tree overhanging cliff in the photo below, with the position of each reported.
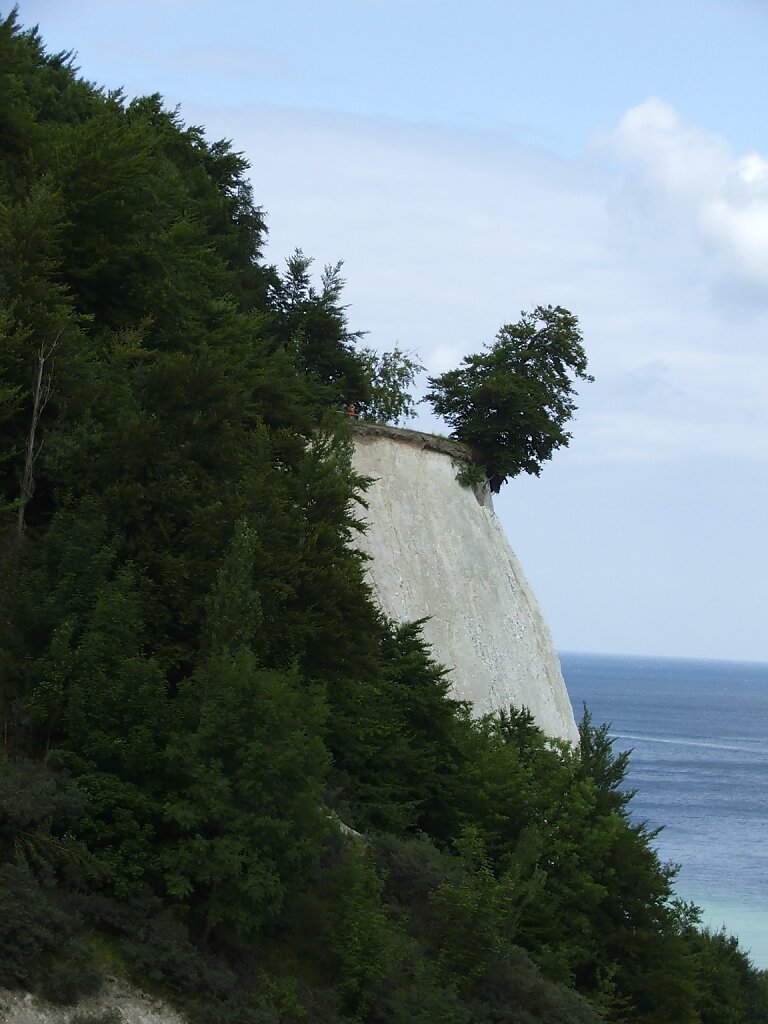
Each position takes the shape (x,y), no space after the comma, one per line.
(512,402)
(194,682)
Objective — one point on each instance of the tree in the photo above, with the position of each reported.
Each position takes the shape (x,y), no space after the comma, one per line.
(512,402)
(391,376)
(244,814)
(312,324)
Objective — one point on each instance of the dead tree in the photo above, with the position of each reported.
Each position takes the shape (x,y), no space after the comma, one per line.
(41,392)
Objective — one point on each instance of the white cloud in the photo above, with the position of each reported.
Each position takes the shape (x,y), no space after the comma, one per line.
(695,177)
(445,236)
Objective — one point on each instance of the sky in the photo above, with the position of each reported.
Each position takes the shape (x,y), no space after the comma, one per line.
(470,160)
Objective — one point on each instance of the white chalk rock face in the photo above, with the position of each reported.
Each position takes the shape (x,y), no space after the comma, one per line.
(116,999)
(438,551)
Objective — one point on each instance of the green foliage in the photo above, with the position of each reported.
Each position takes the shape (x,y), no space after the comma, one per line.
(731,990)
(362,942)
(41,861)
(392,375)
(401,767)
(470,475)
(413,867)
(477,916)
(31,928)
(512,402)
(513,991)
(312,324)
(73,972)
(37,809)
(248,763)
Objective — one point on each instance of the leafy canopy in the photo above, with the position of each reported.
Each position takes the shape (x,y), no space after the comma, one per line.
(512,402)
(391,375)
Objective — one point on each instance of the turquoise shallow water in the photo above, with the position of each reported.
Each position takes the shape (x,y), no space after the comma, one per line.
(699,735)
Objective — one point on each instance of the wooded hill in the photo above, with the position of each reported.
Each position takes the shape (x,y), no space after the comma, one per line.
(195,686)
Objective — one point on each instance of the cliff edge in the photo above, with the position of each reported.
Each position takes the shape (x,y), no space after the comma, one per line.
(439,552)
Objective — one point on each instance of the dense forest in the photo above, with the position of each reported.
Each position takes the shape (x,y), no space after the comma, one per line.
(223,773)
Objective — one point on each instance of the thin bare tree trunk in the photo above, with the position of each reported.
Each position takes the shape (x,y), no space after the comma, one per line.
(41,392)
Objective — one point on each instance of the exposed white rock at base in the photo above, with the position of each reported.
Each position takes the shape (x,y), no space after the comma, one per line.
(135,1007)
(438,551)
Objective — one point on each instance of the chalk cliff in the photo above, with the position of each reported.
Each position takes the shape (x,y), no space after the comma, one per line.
(438,550)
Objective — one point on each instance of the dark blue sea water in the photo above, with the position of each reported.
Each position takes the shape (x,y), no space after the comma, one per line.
(699,734)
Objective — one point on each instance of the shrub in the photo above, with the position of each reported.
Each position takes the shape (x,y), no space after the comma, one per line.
(73,973)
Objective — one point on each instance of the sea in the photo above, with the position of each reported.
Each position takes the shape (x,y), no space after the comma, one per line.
(698,732)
